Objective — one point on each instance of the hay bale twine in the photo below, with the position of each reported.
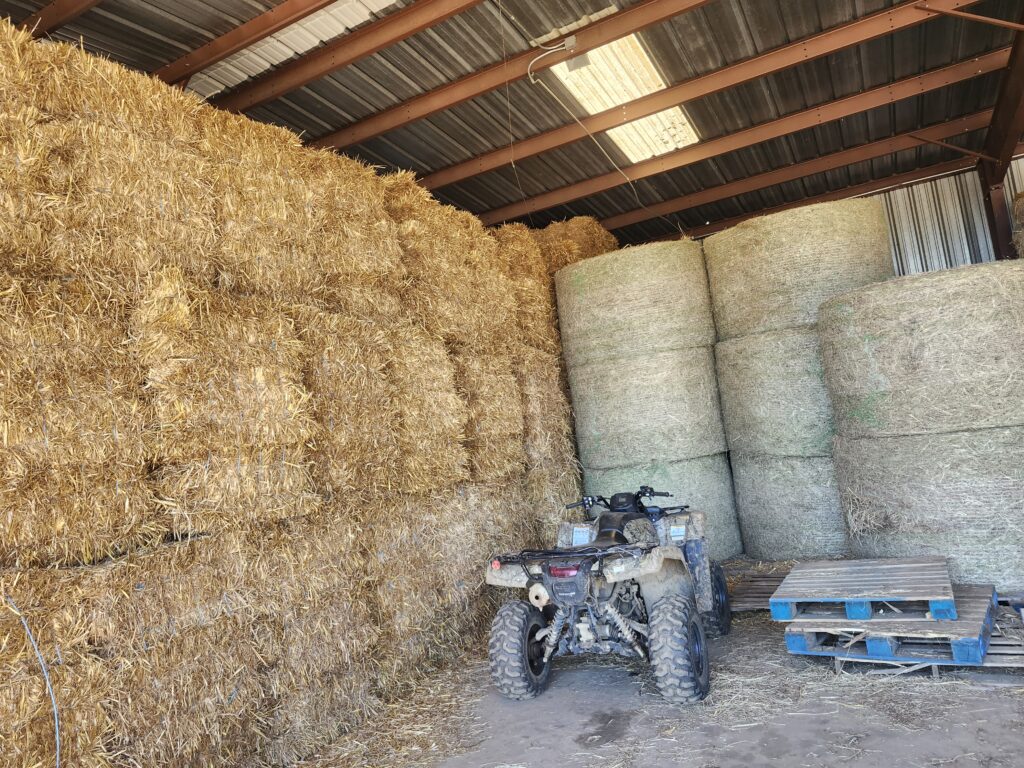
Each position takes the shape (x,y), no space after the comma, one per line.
(959,494)
(939,352)
(774,400)
(773,272)
(704,483)
(634,301)
(788,507)
(656,407)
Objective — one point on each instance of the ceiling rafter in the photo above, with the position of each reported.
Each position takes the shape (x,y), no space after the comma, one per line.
(773,129)
(267,23)
(594,35)
(796,171)
(341,52)
(902,16)
(55,15)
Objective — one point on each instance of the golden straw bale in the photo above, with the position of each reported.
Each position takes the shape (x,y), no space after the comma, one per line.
(115,205)
(229,137)
(65,82)
(519,253)
(356,449)
(229,490)
(82,686)
(432,417)
(161,321)
(538,321)
(70,389)
(75,514)
(553,473)
(494,428)
(566,242)
(240,389)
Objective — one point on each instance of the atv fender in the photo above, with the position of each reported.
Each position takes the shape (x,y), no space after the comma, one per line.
(659,572)
(507,576)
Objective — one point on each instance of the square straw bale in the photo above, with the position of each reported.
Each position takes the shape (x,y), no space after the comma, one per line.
(356,448)
(519,253)
(494,428)
(536,315)
(566,242)
(432,416)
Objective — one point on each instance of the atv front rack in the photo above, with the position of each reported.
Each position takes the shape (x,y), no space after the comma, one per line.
(537,555)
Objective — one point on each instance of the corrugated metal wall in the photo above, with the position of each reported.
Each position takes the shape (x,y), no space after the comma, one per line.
(941,223)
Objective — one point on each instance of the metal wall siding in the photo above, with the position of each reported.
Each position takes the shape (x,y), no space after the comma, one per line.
(940,224)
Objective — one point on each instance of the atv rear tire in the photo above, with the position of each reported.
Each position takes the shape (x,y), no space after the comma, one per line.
(718,622)
(679,651)
(516,657)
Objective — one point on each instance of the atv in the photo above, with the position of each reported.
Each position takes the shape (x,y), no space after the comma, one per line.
(634,579)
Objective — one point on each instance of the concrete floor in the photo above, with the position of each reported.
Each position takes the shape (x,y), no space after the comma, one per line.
(766,709)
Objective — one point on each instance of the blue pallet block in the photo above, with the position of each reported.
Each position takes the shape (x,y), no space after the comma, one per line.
(864,610)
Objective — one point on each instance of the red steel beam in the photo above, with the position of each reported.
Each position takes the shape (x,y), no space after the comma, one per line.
(594,35)
(898,180)
(341,52)
(886,22)
(798,121)
(242,36)
(799,170)
(54,15)
(1003,135)
(857,190)
(930,8)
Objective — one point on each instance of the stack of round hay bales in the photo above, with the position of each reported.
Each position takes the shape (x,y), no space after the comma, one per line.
(637,336)
(926,375)
(768,277)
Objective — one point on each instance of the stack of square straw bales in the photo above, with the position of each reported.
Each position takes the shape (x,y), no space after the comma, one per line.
(264,416)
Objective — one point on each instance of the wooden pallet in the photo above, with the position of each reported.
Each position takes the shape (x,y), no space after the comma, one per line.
(865,588)
(753,590)
(895,638)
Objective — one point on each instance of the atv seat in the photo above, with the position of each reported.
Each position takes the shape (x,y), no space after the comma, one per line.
(624,503)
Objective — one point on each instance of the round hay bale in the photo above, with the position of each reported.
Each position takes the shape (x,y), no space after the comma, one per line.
(773,272)
(634,301)
(999,563)
(788,507)
(940,352)
(704,483)
(920,483)
(658,407)
(774,400)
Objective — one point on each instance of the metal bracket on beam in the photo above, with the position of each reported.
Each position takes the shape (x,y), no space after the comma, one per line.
(927,8)
(954,147)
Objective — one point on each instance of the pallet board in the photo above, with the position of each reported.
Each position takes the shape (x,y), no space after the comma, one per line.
(864,587)
(895,638)
(752,591)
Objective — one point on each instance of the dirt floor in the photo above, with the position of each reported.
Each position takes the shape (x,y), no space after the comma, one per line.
(766,708)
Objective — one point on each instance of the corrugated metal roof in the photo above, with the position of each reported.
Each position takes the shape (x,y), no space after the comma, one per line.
(147,34)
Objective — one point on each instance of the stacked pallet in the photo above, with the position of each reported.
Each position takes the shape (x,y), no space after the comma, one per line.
(264,415)
(901,611)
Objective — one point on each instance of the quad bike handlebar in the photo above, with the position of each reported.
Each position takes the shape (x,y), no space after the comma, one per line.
(645,492)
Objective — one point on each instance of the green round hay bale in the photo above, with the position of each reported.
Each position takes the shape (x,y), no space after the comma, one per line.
(939,352)
(788,507)
(634,301)
(774,400)
(1000,565)
(704,483)
(914,483)
(657,407)
(773,272)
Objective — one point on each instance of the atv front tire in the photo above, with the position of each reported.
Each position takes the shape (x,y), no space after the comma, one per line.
(516,656)
(679,651)
(718,621)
